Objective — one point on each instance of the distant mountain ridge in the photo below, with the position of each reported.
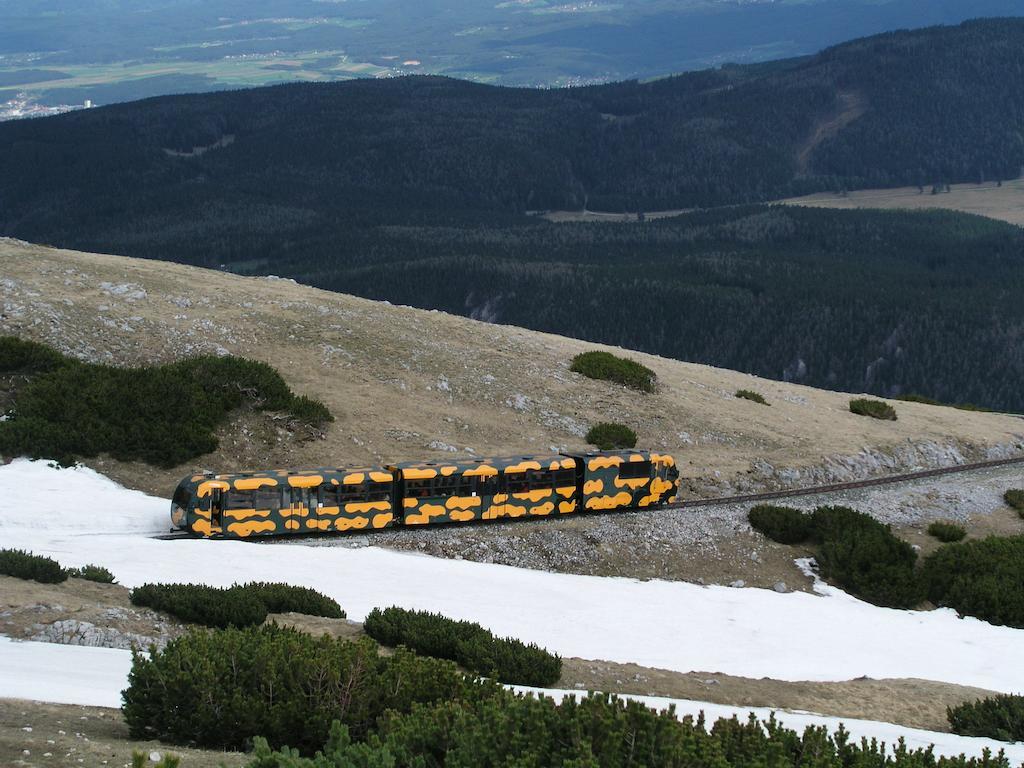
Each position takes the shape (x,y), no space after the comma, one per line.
(415,189)
(943,104)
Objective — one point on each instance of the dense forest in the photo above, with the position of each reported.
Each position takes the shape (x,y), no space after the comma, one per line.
(414,190)
(938,105)
(883,302)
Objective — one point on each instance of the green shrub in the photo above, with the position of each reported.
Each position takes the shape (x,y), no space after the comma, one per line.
(162,415)
(946,532)
(19,356)
(200,604)
(981,578)
(747,394)
(141,760)
(782,524)
(865,558)
(1015,498)
(220,688)
(854,551)
(996,717)
(465,642)
(609,437)
(609,367)
(92,573)
(509,731)
(910,397)
(25,565)
(284,598)
(237,606)
(876,409)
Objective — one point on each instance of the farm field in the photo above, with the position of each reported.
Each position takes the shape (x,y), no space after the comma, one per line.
(1003,202)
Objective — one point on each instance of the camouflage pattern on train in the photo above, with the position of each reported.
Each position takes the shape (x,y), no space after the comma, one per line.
(332,500)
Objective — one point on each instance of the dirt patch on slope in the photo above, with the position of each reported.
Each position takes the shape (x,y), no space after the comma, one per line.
(850,106)
(70,736)
(80,612)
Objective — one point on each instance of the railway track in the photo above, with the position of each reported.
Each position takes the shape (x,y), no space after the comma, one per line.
(814,490)
(820,489)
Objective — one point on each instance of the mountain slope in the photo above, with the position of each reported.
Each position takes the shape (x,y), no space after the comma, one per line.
(405,383)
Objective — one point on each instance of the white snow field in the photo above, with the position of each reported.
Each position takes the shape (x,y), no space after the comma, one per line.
(71,674)
(77,516)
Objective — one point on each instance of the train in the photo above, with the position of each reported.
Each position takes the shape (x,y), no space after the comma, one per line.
(279,502)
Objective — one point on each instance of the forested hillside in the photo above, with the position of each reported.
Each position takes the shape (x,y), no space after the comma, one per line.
(937,105)
(885,302)
(414,190)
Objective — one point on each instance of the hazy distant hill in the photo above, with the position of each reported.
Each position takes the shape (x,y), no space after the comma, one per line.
(413,190)
(936,105)
(66,51)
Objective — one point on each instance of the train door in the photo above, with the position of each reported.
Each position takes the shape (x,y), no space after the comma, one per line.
(297,510)
(216,509)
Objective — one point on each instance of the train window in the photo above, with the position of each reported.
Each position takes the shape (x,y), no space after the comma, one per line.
(379,492)
(351,493)
(266,498)
(417,489)
(181,496)
(329,495)
(454,485)
(485,486)
(516,482)
(238,500)
(631,470)
(565,478)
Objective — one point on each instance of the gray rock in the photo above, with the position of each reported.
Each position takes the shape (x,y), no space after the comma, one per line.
(780,587)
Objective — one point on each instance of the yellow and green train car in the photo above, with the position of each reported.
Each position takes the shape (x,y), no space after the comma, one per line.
(276,502)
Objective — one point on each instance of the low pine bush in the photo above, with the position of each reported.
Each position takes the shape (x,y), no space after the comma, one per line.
(162,415)
(911,397)
(997,717)
(92,573)
(609,437)
(238,606)
(609,367)
(200,604)
(467,643)
(220,688)
(509,731)
(782,524)
(980,577)
(853,551)
(25,565)
(946,532)
(865,558)
(1015,498)
(876,409)
(284,598)
(141,760)
(747,394)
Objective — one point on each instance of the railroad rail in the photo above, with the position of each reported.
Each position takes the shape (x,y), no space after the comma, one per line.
(814,490)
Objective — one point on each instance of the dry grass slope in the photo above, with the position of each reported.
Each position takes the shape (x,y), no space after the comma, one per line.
(406,383)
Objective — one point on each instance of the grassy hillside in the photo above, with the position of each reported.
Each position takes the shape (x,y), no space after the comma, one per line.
(407,384)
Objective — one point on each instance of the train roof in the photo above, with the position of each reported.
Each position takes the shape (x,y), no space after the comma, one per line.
(284,473)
